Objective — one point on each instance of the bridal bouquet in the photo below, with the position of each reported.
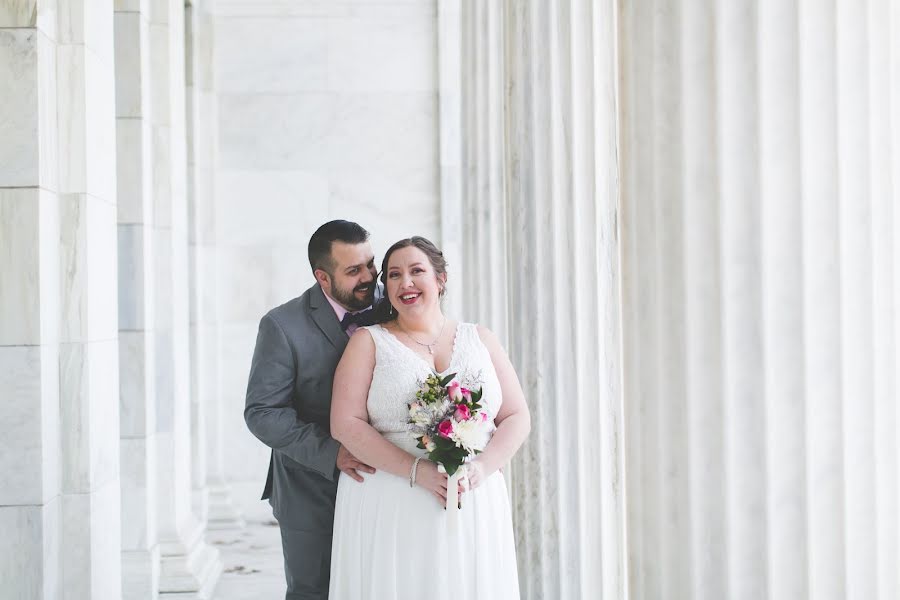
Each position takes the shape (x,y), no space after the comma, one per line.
(449,422)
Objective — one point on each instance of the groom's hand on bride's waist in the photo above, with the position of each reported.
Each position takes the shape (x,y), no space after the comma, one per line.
(349,464)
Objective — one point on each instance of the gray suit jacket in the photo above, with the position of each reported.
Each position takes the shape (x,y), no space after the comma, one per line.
(288,408)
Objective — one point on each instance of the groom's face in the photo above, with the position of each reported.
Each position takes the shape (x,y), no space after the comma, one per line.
(352,280)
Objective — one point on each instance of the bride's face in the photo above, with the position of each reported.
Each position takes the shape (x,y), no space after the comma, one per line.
(412,284)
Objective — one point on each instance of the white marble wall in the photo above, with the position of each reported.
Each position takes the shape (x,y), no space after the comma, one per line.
(759,154)
(539,211)
(325,110)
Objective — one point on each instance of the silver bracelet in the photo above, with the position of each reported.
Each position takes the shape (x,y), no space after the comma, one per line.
(412,472)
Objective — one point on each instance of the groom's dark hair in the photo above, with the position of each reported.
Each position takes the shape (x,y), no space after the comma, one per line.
(333,231)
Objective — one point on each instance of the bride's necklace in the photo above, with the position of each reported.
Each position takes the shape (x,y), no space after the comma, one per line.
(433,342)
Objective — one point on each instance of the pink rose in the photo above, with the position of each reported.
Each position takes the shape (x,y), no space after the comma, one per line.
(445,428)
(484,417)
(453,391)
(466,393)
(462,413)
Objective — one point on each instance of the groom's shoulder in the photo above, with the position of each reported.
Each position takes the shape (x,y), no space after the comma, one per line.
(293,309)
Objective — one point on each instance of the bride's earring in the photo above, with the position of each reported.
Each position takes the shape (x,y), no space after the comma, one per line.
(391,309)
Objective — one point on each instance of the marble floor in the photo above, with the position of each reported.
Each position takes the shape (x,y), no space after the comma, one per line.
(252,559)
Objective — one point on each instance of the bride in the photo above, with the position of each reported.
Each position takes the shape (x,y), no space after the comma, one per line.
(392,539)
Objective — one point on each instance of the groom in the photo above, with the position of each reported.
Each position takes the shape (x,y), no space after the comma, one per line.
(289,399)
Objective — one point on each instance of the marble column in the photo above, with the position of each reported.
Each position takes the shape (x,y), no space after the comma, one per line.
(30,501)
(541,266)
(88,352)
(758,158)
(213,502)
(137,348)
(58,338)
(187,564)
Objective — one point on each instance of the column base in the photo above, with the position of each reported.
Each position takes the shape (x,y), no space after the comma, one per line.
(189,568)
(221,511)
(140,574)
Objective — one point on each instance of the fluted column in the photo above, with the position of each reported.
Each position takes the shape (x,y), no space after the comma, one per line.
(541,267)
(759,260)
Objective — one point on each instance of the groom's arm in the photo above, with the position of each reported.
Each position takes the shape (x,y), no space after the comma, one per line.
(269,410)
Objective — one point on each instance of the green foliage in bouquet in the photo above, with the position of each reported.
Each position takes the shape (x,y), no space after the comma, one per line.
(443,418)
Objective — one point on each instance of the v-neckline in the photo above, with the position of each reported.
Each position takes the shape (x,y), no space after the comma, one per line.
(417,355)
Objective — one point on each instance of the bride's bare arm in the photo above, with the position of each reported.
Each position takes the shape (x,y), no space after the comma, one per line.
(350,418)
(513,421)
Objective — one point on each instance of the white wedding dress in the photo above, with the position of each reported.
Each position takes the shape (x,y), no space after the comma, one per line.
(393,542)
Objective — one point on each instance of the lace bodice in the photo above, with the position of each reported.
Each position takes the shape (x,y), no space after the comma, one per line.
(399,374)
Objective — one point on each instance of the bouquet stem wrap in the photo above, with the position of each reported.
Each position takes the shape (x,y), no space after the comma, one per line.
(453,493)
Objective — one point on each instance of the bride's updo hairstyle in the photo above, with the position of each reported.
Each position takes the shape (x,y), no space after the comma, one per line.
(384,311)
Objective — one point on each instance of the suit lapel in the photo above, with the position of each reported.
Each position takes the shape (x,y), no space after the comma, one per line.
(325,319)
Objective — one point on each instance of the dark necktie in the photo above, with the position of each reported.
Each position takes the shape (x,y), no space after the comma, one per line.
(360,319)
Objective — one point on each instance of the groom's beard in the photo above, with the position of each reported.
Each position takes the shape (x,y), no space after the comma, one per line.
(351,299)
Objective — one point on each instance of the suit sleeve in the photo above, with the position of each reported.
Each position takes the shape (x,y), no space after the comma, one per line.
(269,410)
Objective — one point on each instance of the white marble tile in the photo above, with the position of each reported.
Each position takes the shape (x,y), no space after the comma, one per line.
(138,482)
(106,542)
(24,567)
(20,245)
(270,207)
(383,52)
(88,23)
(158,10)
(133,168)
(161,182)
(203,206)
(103,369)
(203,133)
(21,420)
(162,278)
(19,115)
(73,157)
(137,383)
(140,574)
(51,468)
(48,109)
(384,130)
(287,132)
(244,278)
(75,544)
(290,275)
(90,544)
(132,64)
(280,9)
(278,55)
(391,203)
(102,256)
(122,6)
(18,14)
(159,83)
(100,128)
(207,296)
(135,259)
(164,380)
(75,406)
(88,270)
(245,457)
